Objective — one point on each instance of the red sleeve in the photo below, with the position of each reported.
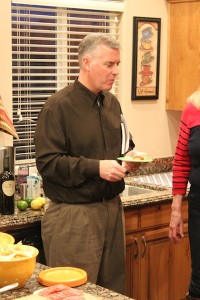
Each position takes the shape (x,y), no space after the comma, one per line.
(181,163)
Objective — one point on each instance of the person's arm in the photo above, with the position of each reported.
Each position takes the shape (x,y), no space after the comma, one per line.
(52,153)
(180,173)
(182,163)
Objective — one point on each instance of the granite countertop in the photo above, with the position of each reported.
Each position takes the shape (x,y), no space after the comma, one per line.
(158,194)
(20,218)
(32,285)
(155,195)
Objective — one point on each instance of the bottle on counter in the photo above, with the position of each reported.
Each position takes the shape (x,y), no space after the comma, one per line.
(7,190)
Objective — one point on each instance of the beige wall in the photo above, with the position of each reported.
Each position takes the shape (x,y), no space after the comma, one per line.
(5,65)
(153,128)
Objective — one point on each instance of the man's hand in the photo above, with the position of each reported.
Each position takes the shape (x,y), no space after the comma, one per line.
(131,166)
(111,170)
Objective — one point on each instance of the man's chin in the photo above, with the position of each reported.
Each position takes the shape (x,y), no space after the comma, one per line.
(108,87)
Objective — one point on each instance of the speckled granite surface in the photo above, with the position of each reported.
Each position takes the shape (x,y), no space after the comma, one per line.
(158,194)
(20,218)
(32,285)
(158,165)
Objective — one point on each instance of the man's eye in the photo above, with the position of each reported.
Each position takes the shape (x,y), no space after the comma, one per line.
(110,65)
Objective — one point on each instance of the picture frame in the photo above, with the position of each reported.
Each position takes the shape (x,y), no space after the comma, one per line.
(146,58)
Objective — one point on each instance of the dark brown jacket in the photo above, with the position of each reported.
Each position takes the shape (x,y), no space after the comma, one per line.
(73,134)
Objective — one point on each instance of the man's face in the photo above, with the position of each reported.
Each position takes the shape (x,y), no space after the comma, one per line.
(103,66)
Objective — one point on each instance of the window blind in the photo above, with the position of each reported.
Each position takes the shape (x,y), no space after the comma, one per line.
(45,43)
(108,5)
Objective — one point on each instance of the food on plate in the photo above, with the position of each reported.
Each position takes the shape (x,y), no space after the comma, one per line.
(35,296)
(61,292)
(31,297)
(17,251)
(138,155)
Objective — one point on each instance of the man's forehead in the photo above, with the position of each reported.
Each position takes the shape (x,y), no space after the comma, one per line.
(110,54)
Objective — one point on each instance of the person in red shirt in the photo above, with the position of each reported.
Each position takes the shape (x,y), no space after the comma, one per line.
(186,169)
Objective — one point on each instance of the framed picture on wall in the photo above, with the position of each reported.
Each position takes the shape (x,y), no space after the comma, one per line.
(146,58)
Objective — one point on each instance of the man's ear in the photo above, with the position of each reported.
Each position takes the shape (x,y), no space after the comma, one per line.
(86,63)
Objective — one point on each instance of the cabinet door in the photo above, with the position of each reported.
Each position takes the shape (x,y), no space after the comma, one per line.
(180,267)
(155,267)
(132,266)
(184,52)
(165,267)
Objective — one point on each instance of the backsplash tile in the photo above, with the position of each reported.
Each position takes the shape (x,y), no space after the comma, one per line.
(158,165)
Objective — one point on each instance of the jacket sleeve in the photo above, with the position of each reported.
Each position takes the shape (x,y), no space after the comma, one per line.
(52,154)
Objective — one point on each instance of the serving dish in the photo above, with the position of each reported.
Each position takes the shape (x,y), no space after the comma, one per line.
(63,275)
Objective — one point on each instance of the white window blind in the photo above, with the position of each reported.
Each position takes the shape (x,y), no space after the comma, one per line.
(106,5)
(45,43)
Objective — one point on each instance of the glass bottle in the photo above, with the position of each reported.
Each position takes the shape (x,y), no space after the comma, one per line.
(7,190)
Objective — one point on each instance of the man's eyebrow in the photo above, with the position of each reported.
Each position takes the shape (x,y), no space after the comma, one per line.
(112,62)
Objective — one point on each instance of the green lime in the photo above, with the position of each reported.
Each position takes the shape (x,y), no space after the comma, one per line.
(29,200)
(22,205)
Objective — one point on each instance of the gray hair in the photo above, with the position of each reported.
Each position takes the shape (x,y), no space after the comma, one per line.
(91,41)
(195,99)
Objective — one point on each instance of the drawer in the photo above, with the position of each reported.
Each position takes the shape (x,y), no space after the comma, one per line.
(155,215)
(159,215)
(131,220)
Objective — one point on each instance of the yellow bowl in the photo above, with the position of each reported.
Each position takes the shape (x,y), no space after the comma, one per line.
(18,270)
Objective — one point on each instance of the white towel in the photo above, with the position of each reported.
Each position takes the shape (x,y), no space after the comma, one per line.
(125,136)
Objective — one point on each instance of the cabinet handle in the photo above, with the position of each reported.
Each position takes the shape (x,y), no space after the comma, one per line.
(145,246)
(137,248)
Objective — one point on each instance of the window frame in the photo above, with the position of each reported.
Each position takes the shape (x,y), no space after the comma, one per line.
(20,159)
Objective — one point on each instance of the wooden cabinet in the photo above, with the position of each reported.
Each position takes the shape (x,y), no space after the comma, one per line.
(132,265)
(153,262)
(183,76)
(179,268)
(155,266)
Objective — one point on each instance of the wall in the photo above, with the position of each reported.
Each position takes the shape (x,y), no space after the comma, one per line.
(153,128)
(5,66)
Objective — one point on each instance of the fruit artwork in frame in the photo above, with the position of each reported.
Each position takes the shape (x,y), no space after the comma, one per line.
(146,58)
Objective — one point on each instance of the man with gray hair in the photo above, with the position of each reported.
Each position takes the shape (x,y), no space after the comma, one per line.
(78,139)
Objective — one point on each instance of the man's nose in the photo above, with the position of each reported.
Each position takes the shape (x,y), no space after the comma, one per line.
(115,69)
